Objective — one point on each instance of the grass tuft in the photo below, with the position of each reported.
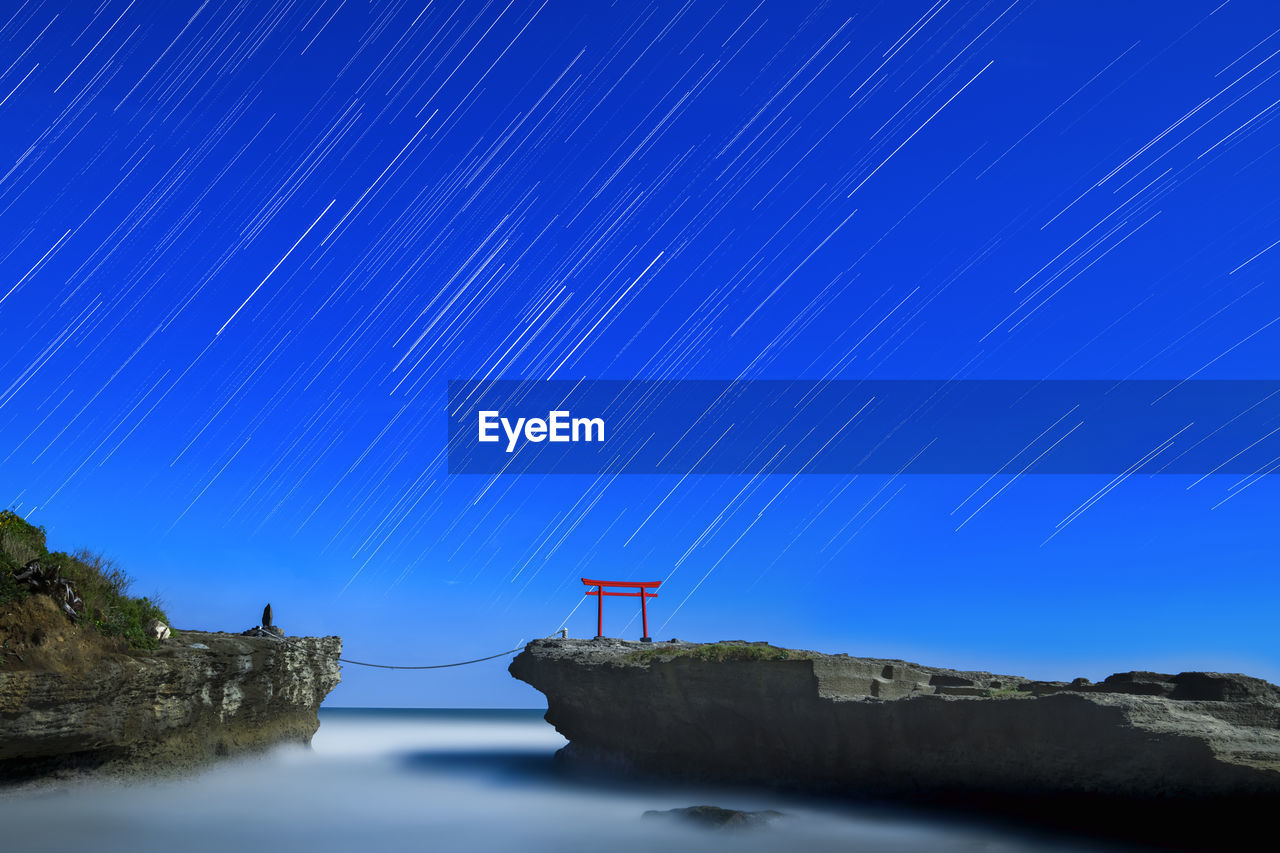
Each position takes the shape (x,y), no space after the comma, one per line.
(100,582)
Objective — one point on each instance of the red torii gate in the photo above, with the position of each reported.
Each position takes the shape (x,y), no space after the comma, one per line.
(641,591)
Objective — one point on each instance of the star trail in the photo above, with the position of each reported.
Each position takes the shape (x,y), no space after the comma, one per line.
(247,244)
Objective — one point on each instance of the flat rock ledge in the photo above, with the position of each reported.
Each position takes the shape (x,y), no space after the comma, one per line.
(1179,760)
(199,696)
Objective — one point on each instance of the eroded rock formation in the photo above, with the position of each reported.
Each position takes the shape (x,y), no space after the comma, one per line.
(1161,745)
(198,696)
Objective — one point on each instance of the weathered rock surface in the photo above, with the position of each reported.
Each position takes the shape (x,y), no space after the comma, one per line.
(198,696)
(889,728)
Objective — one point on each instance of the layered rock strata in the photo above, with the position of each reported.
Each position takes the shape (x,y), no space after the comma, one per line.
(1183,750)
(198,696)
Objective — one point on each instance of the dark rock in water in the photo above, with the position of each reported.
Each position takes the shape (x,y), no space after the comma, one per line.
(714,817)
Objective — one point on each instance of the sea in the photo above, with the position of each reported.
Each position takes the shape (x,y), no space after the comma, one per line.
(451,780)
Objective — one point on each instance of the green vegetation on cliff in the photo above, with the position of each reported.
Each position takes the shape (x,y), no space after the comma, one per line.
(99,581)
(716,652)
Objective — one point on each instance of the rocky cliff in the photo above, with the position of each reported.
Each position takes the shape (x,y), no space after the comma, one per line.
(1159,747)
(65,703)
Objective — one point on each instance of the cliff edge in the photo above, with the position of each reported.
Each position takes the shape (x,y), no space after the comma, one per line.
(67,703)
(1154,748)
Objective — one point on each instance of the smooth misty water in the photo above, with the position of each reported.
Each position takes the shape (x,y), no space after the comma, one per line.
(389,780)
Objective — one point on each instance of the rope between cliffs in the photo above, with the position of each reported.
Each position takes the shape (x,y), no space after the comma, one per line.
(432,666)
(390,666)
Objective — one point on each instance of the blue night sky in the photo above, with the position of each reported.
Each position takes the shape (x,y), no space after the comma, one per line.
(244,246)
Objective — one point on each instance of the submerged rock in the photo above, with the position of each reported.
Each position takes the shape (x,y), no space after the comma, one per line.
(714,817)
